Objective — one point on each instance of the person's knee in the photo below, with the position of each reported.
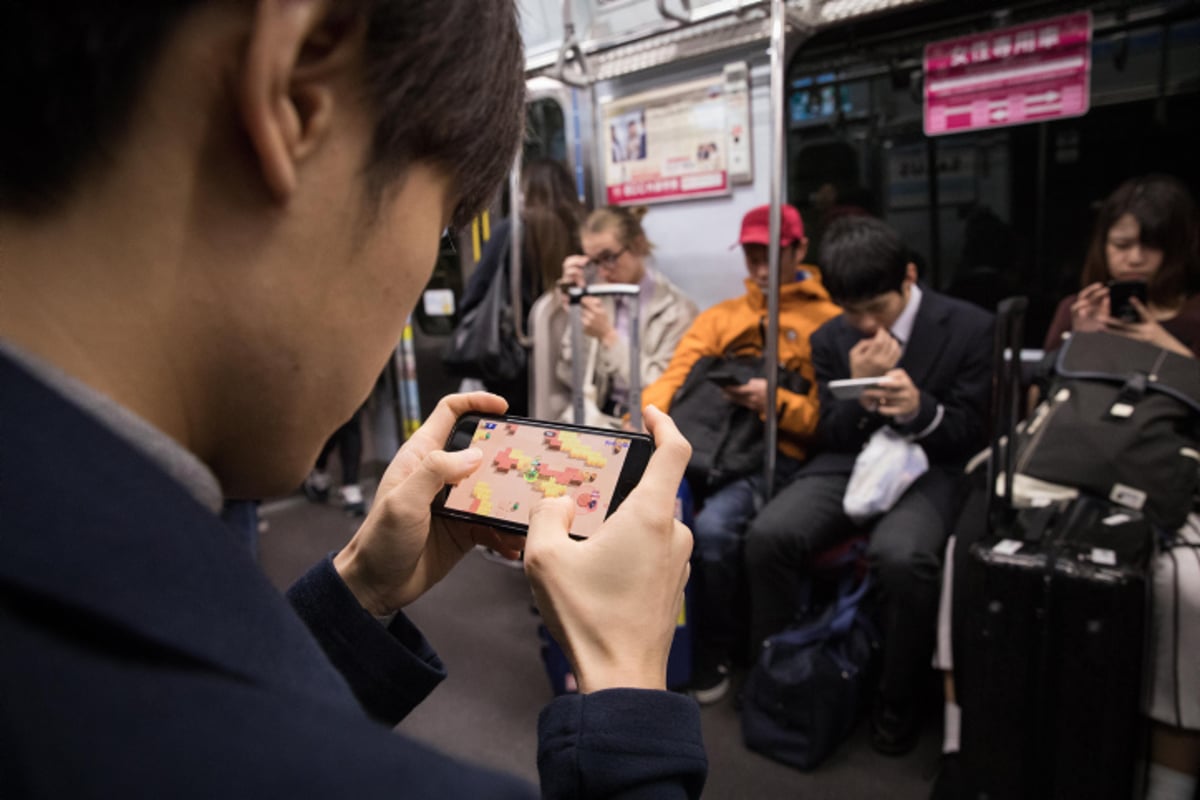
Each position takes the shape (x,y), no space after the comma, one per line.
(715,539)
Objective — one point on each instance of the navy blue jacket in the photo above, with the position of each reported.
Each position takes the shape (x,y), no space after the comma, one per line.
(144,654)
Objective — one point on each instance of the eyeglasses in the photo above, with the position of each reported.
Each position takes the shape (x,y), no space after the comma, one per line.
(606,260)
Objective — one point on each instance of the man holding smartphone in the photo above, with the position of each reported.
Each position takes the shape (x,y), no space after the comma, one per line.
(737,326)
(933,354)
(188,188)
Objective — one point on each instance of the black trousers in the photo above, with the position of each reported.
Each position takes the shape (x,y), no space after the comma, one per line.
(348,440)
(905,552)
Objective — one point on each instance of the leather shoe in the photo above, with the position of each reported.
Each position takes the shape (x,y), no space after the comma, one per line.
(893,731)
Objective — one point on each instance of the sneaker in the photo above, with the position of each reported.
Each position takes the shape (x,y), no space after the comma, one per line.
(352,500)
(316,486)
(710,684)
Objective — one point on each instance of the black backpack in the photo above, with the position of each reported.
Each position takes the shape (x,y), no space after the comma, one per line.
(1121,420)
(728,440)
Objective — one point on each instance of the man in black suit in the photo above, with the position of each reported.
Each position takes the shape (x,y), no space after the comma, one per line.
(934,353)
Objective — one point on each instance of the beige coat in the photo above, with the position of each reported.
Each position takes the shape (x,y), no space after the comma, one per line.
(662,323)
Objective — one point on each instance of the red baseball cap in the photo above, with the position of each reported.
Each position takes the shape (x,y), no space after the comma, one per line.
(756,226)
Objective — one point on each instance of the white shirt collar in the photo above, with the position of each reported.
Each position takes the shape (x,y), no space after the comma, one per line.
(903,326)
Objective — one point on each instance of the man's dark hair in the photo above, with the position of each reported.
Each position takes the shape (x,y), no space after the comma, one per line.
(444,77)
(862,258)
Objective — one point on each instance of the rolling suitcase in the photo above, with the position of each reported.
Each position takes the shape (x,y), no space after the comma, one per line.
(1054,603)
(679,661)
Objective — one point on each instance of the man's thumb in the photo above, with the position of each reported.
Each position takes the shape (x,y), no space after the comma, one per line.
(440,468)
(549,521)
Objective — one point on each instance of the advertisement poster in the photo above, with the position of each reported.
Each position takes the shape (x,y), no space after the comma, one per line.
(667,145)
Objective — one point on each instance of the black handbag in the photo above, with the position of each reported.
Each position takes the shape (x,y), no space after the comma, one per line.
(1121,421)
(484,345)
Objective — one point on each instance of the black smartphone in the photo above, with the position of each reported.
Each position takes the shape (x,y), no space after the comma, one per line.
(725,378)
(526,459)
(1119,294)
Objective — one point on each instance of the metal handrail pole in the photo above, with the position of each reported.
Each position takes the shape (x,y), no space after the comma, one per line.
(771,345)
(516,204)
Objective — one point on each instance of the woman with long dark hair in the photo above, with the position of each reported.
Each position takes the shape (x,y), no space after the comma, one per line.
(550,218)
(1146,231)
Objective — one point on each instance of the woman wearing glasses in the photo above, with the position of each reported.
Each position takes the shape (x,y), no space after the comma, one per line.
(615,250)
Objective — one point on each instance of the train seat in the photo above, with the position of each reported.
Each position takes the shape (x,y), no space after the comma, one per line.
(548,398)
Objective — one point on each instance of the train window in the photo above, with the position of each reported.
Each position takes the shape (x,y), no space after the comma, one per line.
(1183,57)
(546,130)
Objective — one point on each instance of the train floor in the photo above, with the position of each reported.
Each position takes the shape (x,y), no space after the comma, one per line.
(480,621)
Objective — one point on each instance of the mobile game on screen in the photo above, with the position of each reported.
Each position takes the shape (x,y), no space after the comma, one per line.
(523,463)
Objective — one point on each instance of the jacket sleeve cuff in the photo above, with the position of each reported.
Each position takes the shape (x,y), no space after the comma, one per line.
(621,740)
(928,419)
(391,669)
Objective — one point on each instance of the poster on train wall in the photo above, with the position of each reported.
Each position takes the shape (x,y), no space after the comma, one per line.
(1028,73)
(667,145)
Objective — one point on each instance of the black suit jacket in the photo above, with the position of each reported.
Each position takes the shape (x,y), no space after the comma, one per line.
(949,359)
(143,653)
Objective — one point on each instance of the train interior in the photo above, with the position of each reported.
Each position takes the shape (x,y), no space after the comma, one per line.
(989,214)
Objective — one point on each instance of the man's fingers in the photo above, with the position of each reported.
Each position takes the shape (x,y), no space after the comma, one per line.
(549,522)
(438,469)
(436,430)
(671,455)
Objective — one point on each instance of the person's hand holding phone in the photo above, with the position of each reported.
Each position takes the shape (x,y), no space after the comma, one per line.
(1146,329)
(897,396)
(1090,311)
(612,599)
(401,551)
(596,321)
(751,395)
(875,355)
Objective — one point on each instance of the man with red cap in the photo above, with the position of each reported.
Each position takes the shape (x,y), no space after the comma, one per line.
(734,494)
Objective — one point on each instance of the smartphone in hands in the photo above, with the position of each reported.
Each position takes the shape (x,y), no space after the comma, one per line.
(525,460)
(1119,294)
(852,388)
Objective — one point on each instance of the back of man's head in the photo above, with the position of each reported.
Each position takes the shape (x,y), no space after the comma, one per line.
(74,71)
(862,258)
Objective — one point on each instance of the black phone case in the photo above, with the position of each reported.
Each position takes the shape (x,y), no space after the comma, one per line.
(510,527)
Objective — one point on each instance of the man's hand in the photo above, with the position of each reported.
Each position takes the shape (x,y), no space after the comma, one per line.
(401,550)
(896,396)
(612,600)
(873,357)
(751,395)
(1147,330)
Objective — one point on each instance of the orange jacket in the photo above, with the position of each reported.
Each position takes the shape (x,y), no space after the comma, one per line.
(735,324)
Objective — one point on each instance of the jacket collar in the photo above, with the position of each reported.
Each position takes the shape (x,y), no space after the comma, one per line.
(93,527)
(810,288)
(929,337)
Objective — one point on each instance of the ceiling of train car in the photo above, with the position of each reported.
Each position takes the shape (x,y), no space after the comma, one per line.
(619,37)
(624,36)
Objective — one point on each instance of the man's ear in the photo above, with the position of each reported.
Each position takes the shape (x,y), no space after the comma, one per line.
(286,85)
(801,250)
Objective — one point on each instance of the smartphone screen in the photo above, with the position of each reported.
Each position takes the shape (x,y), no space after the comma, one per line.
(525,460)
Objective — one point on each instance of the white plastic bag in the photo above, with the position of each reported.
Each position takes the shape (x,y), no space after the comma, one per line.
(883,471)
